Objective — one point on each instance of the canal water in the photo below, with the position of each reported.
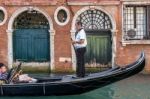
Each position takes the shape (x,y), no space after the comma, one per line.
(136,87)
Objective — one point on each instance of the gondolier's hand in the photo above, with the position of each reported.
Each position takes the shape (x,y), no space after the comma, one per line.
(78,42)
(73,42)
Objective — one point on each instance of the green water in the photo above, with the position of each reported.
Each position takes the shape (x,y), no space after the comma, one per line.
(136,87)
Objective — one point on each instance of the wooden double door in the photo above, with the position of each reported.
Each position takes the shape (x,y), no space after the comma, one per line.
(31,45)
(99,48)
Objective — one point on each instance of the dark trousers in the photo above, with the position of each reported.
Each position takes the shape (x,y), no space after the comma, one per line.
(80,70)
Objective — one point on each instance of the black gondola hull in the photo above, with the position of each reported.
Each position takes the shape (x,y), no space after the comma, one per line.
(73,85)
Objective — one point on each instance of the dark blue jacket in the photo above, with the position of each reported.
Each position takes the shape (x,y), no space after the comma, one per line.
(3,75)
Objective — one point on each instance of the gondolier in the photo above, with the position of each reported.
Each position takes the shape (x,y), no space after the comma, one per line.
(80,44)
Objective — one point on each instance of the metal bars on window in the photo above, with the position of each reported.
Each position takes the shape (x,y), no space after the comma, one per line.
(31,19)
(135,22)
(95,20)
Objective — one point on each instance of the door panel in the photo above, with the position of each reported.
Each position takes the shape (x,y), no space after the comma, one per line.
(31,45)
(99,49)
(21,48)
(41,48)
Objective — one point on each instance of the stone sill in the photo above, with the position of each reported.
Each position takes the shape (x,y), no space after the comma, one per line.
(135,42)
(135,2)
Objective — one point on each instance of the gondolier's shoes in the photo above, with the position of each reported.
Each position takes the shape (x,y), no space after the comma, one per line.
(77,77)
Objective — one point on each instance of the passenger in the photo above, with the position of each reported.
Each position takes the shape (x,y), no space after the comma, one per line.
(3,72)
(20,77)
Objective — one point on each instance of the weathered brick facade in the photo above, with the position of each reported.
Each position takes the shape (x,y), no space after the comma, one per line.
(124,53)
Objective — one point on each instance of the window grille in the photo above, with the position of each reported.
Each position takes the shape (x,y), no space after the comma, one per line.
(31,19)
(136,23)
(95,20)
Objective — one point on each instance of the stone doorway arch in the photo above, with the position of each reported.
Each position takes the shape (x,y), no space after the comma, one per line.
(112,29)
(11,29)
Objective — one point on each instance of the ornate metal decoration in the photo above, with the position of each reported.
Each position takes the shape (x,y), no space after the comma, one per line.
(31,19)
(95,20)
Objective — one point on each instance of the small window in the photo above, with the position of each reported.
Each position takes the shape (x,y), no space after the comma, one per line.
(135,23)
(62,16)
(3,15)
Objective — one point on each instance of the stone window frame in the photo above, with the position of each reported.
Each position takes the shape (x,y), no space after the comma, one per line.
(132,42)
(135,21)
(5,15)
(56,13)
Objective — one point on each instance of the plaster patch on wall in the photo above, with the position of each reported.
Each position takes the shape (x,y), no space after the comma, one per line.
(64,59)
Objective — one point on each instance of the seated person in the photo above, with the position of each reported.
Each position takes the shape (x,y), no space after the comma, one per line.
(18,76)
(3,72)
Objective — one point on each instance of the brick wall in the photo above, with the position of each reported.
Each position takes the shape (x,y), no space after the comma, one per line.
(62,45)
(3,44)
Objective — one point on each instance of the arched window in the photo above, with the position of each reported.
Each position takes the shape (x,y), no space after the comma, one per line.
(31,19)
(95,20)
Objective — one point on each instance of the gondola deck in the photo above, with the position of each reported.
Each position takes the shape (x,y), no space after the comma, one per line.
(70,85)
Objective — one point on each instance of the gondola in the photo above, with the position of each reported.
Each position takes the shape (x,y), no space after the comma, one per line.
(70,85)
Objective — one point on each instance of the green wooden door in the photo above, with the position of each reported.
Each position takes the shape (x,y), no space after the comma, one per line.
(99,48)
(31,45)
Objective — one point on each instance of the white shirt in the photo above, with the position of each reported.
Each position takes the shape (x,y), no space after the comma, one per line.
(81,35)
